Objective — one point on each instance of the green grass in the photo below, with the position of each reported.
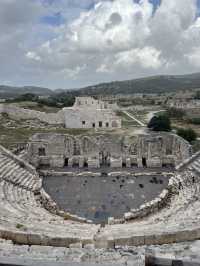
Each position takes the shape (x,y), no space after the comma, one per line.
(20,226)
(37,107)
(140,115)
(126,120)
(9,137)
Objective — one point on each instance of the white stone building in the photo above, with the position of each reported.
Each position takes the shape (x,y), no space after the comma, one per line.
(86,113)
(90,113)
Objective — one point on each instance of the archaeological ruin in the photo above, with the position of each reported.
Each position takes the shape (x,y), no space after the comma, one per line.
(155,150)
(108,197)
(90,113)
(85,113)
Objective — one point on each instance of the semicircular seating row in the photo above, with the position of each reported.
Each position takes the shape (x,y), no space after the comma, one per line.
(178,221)
(24,220)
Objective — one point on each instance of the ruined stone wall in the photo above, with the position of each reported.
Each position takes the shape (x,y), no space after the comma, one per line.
(150,150)
(91,118)
(86,116)
(88,112)
(18,113)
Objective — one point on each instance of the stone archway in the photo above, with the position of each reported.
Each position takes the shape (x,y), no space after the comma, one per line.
(88,145)
(104,157)
(68,146)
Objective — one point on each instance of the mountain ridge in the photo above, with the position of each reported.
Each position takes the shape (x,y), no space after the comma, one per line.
(149,84)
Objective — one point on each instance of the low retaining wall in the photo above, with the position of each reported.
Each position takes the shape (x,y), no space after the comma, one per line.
(151,239)
(18,113)
(150,207)
(29,238)
(49,204)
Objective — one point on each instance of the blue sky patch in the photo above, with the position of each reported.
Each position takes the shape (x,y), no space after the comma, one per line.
(55,19)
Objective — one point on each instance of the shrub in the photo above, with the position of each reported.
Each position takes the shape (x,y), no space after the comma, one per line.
(160,123)
(195,121)
(188,134)
(19,226)
(175,113)
(197,95)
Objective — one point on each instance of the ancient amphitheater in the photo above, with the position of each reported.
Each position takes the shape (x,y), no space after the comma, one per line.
(34,231)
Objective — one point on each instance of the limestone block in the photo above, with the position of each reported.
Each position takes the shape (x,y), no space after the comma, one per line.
(134,159)
(70,162)
(105,243)
(20,238)
(76,245)
(128,215)
(128,162)
(116,162)
(93,163)
(62,242)
(130,241)
(81,161)
(139,163)
(111,220)
(57,161)
(154,163)
(89,246)
(44,160)
(34,239)
(169,160)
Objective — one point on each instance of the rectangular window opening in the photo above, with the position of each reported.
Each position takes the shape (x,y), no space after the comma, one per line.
(41,152)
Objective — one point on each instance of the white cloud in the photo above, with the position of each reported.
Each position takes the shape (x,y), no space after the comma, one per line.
(112,26)
(148,57)
(33,56)
(111,40)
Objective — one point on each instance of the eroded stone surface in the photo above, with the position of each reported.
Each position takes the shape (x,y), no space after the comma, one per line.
(96,198)
(155,150)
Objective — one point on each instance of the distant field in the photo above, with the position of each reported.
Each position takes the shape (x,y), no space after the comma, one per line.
(13,132)
(126,120)
(37,107)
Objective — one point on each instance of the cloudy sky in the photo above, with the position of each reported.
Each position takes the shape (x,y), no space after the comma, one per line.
(73,43)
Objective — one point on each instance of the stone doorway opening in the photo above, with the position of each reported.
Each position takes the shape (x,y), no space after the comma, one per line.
(144,162)
(85,164)
(104,159)
(66,162)
(123,164)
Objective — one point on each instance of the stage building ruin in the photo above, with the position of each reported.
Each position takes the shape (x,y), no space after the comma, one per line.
(150,150)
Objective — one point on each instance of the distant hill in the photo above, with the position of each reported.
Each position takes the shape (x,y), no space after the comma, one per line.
(154,84)
(10,91)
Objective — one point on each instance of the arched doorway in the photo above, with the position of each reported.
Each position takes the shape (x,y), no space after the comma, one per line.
(104,157)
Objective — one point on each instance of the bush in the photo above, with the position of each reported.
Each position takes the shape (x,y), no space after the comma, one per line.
(196,146)
(197,95)
(160,123)
(175,113)
(30,97)
(187,134)
(195,121)
(19,226)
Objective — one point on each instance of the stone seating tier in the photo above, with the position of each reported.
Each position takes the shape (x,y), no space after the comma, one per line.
(24,221)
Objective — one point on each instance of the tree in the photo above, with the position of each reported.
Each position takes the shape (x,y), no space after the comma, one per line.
(173,112)
(27,97)
(197,95)
(160,123)
(188,134)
